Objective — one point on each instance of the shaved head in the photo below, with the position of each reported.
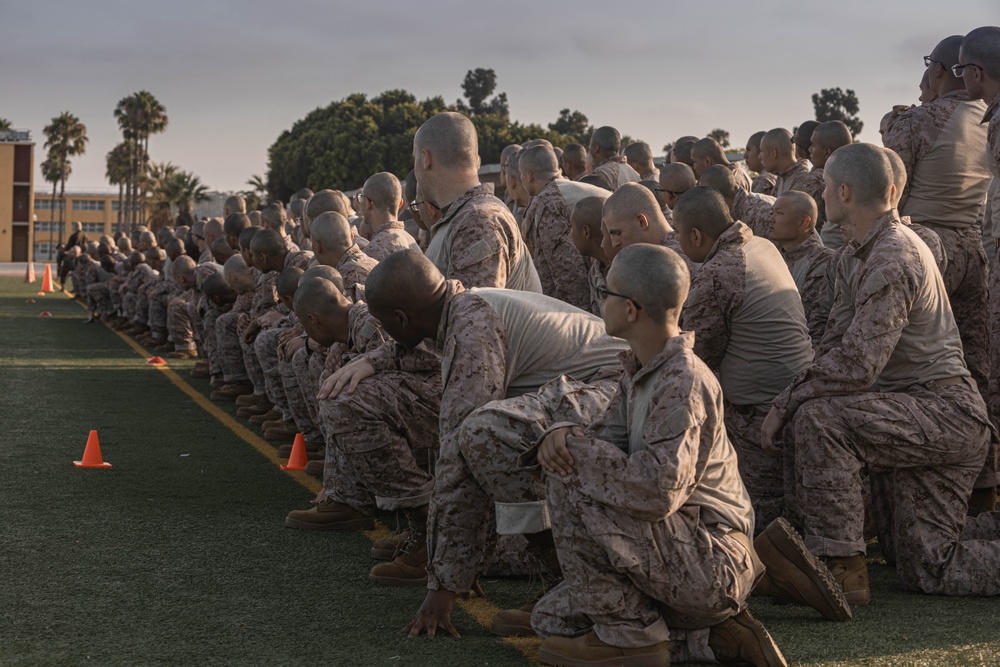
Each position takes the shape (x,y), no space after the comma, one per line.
(183,265)
(632,199)
(946,53)
(246,236)
(682,149)
(655,276)
(288,281)
(318,295)
(233,226)
(575,154)
(267,243)
(638,151)
(608,139)
(778,139)
(238,274)
(508,151)
(898,174)
(803,135)
(235,204)
(384,191)
(326,273)
(587,213)
(326,201)
(213,230)
(865,169)
(800,204)
(982,46)
(539,160)
(708,148)
(332,231)
(832,135)
(754,140)
(405,280)
(451,139)
(677,176)
(704,209)
(215,285)
(273,217)
(221,250)
(719,178)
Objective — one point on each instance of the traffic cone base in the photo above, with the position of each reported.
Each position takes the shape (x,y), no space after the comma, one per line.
(47,279)
(30,301)
(92,454)
(45,313)
(156,361)
(41,294)
(298,459)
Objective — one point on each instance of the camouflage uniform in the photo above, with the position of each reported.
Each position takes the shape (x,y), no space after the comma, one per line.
(354,267)
(655,475)
(615,172)
(809,265)
(751,329)
(755,211)
(498,344)
(266,350)
(742,177)
(889,388)
(299,396)
(947,180)
(800,176)
(478,242)
(561,269)
(386,433)
(597,278)
(227,336)
(389,238)
(179,325)
(992,117)
(763,183)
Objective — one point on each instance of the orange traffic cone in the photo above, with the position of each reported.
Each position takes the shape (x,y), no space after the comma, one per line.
(92,454)
(45,313)
(156,361)
(29,275)
(298,459)
(47,279)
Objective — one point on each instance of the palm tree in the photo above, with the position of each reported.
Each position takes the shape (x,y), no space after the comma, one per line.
(257,184)
(190,191)
(139,115)
(66,137)
(52,173)
(117,174)
(4,125)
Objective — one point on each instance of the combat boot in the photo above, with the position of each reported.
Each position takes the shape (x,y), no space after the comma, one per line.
(183,354)
(851,573)
(742,638)
(388,547)
(231,391)
(409,567)
(588,649)
(314,468)
(517,622)
(328,514)
(284,432)
(795,575)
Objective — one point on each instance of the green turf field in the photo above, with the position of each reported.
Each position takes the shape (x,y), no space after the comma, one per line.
(178,554)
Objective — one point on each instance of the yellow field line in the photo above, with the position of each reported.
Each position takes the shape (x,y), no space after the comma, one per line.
(481,610)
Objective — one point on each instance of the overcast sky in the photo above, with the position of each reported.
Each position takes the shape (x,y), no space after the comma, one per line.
(233,74)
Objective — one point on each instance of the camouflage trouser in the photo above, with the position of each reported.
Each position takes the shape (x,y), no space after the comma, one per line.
(933,439)
(386,435)
(116,296)
(209,341)
(266,351)
(195,309)
(994,382)
(769,480)
(299,397)
(494,436)
(128,305)
(142,306)
(159,298)
(179,322)
(99,298)
(966,280)
(230,350)
(637,583)
(254,370)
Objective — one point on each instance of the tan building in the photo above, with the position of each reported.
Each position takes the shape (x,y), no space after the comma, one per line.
(17,167)
(96,210)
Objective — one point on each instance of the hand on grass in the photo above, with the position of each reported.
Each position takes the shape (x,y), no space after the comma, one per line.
(434,613)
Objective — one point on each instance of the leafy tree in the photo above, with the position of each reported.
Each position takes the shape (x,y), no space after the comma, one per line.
(4,125)
(66,137)
(574,124)
(720,135)
(837,104)
(170,188)
(478,85)
(139,115)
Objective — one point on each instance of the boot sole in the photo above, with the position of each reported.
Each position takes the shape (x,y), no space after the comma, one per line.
(651,660)
(399,583)
(383,554)
(859,598)
(787,542)
(353,524)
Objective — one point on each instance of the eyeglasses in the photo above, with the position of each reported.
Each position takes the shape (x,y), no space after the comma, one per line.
(670,192)
(603,293)
(414,205)
(928,61)
(361,197)
(957,69)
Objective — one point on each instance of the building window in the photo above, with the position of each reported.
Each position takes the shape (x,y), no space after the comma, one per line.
(46,227)
(88,204)
(114,205)
(93,228)
(46,205)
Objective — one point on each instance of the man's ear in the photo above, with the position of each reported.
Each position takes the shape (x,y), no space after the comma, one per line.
(643,221)
(805,223)
(426,159)
(402,318)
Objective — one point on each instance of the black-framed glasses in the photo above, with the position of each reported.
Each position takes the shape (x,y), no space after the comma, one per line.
(957,70)
(414,205)
(928,61)
(603,293)
(361,197)
(670,192)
